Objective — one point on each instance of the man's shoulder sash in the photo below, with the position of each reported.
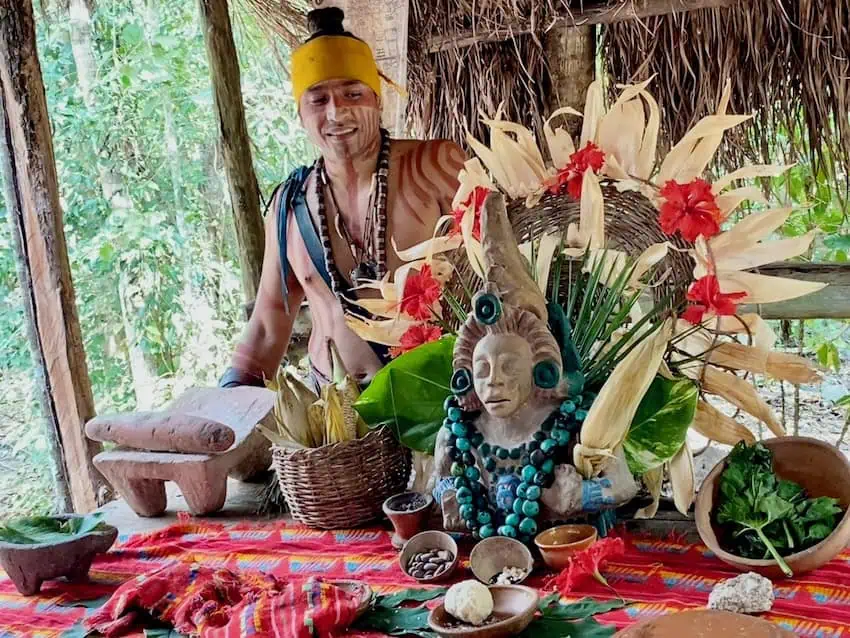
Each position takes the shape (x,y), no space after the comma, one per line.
(293,199)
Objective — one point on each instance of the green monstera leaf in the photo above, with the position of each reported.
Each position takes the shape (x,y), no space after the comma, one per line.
(408,394)
(660,424)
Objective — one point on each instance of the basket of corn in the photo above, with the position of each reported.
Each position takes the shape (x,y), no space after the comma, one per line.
(333,470)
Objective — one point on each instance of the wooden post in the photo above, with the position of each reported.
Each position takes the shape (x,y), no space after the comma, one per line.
(36,194)
(235,143)
(571,56)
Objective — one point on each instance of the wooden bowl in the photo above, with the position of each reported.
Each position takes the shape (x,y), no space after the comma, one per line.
(407,523)
(821,469)
(490,556)
(516,604)
(426,541)
(556,545)
(704,624)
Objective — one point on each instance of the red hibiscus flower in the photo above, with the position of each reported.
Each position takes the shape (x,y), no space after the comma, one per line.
(476,200)
(689,208)
(572,175)
(421,292)
(415,336)
(587,563)
(705,292)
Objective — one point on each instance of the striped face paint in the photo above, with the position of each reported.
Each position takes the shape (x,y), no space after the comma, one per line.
(342,118)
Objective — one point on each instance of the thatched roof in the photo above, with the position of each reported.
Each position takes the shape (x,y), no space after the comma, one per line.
(788,60)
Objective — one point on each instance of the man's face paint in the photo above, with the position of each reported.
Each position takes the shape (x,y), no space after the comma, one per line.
(342,118)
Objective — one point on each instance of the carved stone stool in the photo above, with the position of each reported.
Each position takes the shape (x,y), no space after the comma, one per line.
(199,440)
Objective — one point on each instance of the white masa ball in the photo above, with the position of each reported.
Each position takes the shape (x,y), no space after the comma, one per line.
(469,601)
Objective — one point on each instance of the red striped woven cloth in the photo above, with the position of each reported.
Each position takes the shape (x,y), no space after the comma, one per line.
(658,576)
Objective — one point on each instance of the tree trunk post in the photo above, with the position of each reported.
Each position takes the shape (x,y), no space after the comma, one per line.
(36,192)
(235,144)
(571,56)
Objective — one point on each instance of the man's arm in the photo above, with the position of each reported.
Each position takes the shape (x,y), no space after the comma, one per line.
(266,337)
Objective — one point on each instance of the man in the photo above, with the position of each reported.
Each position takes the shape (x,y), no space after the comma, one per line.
(329,226)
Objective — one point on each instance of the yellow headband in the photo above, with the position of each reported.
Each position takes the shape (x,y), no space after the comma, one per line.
(331,57)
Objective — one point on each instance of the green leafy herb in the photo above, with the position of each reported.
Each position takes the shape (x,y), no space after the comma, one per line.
(408,394)
(48,529)
(766,516)
(660,424)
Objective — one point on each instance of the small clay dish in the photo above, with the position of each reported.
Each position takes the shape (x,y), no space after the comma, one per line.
(822,470)
(408,512)
(426,542)
(28,565)
(514,607)
(490,556)
(556,545)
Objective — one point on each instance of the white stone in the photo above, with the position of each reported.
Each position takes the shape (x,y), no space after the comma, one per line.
(748,593)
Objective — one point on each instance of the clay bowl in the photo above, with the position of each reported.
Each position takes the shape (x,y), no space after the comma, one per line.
(407,523)
(426,541)
(28,566)
(704,624)
(821,469)
(556,545)
(490,556)
(515,604)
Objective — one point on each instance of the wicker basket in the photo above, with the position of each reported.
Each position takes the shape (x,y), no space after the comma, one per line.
(345,484)
(631,225)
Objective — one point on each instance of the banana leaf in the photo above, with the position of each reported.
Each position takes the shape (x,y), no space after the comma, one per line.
(661,423)
(48,529)
(409,392)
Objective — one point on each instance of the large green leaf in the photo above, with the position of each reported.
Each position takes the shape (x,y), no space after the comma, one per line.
(660,424)
(48,529)
(545,627)
(408,394)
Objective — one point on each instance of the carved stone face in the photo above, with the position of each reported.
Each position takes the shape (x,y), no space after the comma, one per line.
(502,372)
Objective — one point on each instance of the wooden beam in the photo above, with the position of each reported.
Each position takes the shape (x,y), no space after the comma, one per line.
(833,302)
(593,13)
(571,58)
(36,192)
(235,143)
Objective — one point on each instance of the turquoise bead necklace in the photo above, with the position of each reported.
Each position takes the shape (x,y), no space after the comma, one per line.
(535,467)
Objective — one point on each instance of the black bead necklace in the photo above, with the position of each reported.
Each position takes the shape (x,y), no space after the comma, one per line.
(374,241)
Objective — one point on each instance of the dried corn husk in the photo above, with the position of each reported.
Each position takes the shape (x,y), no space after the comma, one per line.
(290,413)
(594,109)
(779,365)
(682,480)
(385,331)
(558,140)
(730,200)
(739,393)
(348,391)
(316,419)
(335,426)
(652,480)
(716,426)
(611,414)
(749,172)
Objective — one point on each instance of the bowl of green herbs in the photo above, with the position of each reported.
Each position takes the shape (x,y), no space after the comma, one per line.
(40,548)
(778,507)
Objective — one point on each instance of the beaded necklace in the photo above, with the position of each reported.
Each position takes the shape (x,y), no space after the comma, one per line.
(535,468)
(376,230)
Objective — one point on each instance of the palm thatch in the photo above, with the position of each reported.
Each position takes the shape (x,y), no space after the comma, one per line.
(788,60)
